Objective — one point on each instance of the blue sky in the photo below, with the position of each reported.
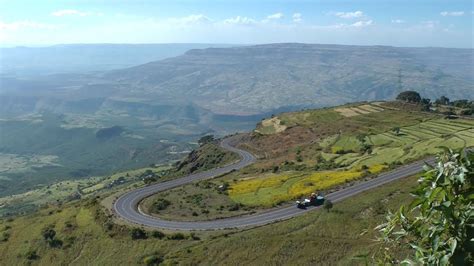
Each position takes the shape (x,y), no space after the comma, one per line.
(444,23)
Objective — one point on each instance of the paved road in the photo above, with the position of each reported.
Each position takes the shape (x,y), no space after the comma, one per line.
(126,205)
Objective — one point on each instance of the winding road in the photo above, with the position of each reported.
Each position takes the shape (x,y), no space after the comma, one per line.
(126,206)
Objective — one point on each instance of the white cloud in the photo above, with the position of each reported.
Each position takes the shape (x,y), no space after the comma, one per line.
(349,15)
(240,20)
(18,25)
(297,17)
(398,21)
(191,19)
(70,12)
(275,16)
(452,13)
(362,23)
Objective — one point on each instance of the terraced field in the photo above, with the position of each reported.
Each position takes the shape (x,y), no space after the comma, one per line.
(410,143)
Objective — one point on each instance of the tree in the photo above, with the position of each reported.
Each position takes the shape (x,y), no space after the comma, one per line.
(327,205)
(437,224)
(443,100)
(409,96)
(426,104)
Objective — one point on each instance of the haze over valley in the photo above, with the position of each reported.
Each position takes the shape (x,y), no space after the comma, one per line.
(273,132)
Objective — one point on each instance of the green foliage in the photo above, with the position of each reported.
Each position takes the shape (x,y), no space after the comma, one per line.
(327,205)
(436,224)
(206,139)
(443,100)
(157,234)
(177,236)
(138,233)
(152,260)
(48,233)
(31,255)
(160,204)
(409,96)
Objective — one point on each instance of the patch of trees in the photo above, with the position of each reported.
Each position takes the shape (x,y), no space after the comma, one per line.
(466,106)
(409,96)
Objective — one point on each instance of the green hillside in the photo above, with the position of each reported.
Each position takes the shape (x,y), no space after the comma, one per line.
(87,236)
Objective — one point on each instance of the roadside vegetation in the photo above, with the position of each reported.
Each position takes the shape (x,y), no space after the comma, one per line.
(85,230)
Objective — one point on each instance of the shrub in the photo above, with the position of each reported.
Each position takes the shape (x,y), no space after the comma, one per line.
(48,233)
(138,233)
(177,236)
(31,255)
(55,243)
(327,205)
(161,204)
(157,234)
(193,236)
(153,260)
(5,236)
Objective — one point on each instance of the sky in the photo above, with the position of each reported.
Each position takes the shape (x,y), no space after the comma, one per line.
(414,23)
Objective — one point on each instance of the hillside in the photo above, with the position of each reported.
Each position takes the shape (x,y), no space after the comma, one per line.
(83,231)
(255,79)
(300,152)
(164,105)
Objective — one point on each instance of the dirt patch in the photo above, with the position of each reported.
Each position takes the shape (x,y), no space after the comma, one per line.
(271,126)
(358,110)
(347,112)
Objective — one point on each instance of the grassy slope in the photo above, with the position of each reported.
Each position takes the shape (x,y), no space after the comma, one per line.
(315,238)
(292,155)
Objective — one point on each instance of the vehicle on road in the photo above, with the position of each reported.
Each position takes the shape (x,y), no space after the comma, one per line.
(313,200)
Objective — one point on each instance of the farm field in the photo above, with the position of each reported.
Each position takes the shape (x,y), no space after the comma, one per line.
(278,188)
(347,155)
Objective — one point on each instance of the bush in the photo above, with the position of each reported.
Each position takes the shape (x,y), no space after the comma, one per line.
(31,255)
(327,205)
(48,233)
(138,233)
(193,236)
(55,243)
(152,260)
(5,236)
(157,234)
(161,204)
(234,207)
(177,236)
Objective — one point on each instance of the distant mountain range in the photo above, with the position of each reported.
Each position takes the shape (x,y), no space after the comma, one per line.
(261,78)
(73,58)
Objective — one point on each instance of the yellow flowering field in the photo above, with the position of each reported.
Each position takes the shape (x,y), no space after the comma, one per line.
(271,189)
